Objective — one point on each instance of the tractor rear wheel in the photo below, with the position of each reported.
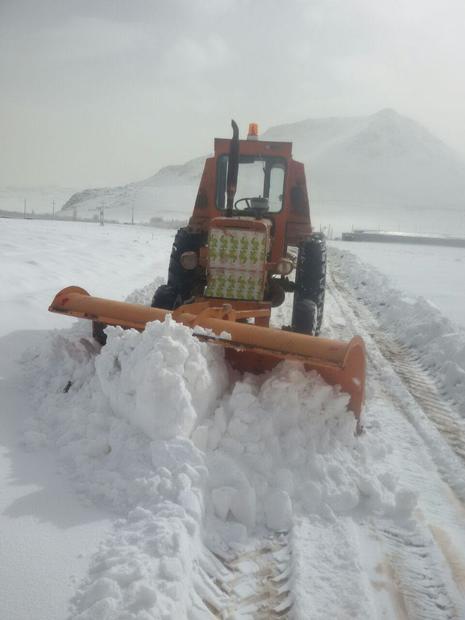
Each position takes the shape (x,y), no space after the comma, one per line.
(310,282)
(181,282)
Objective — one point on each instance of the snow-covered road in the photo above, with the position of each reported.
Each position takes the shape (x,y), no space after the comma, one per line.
(145,481)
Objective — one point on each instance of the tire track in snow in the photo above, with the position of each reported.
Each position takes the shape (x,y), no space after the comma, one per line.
(425,392)
(454,559)
(427,568)
(416,569)
(417,382)
(256,581)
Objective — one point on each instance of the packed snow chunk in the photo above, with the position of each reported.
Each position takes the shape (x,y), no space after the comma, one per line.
(231,491)
(200,437)
(101,589)
(244,507)
(406,501)
(278,510)
(222,499)
(163,380)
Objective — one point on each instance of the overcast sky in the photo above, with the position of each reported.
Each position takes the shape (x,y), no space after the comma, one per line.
(104,92)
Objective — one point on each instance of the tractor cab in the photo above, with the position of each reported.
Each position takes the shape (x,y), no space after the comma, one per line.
(256,179)
(260,185)
(251,210)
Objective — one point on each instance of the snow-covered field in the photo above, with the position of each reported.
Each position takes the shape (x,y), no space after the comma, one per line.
(434,273)
(146,480)
(41,257)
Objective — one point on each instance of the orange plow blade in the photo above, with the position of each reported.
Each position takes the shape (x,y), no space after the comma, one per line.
(249,347)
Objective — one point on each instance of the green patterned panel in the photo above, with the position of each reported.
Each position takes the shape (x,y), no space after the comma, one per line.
(236,264)
(228,247)
(233,285)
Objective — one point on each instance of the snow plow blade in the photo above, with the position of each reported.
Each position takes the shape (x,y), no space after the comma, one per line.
(249,348)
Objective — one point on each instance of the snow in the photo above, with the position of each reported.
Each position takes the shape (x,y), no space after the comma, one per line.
(160,466)
(47,535)
(284,445)
(163,365)
(274,447)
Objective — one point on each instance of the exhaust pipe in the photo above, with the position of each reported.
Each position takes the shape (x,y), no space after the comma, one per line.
(233,169)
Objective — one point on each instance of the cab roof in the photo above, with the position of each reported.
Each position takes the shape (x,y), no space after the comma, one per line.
(255,147)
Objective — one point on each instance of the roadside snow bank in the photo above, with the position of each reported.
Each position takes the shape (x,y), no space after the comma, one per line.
(415,322)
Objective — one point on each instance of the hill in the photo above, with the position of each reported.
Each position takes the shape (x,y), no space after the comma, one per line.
(378,170)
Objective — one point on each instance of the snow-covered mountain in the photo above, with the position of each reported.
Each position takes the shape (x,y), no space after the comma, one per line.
(378,170)
(382,159)
(167,195)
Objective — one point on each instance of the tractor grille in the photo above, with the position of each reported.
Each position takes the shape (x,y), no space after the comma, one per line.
(236,264)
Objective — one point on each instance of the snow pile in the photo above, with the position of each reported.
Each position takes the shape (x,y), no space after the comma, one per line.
(144,294)
(155,565)
(146,426)
(102,413)
(162,380)
(415,322)
(287,445)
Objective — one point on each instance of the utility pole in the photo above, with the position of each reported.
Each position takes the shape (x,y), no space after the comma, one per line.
(53,209)
(102,214)
(24,214)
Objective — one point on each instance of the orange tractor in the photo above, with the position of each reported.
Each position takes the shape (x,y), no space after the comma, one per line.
(248,243)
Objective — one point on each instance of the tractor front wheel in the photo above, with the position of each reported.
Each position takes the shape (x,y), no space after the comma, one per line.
(310,282)
(181,282)
(164,297)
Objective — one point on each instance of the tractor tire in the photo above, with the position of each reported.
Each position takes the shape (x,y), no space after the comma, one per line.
(304,317)
(310,282)
(181,282)
(164,297)
(97,332)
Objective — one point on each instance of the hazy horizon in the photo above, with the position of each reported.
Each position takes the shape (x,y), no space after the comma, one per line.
(98,93)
